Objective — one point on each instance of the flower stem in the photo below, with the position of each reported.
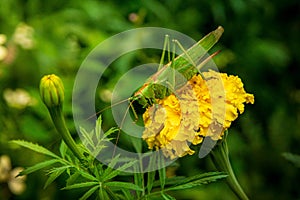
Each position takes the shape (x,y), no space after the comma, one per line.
(220,158)
(60,125)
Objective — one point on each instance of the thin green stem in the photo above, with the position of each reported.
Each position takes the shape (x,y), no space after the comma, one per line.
(60,125)
(220,157)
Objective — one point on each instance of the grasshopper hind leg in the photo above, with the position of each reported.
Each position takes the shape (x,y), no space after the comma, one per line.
(166,47)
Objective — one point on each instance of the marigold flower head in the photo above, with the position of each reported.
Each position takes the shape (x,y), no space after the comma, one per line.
(201,108)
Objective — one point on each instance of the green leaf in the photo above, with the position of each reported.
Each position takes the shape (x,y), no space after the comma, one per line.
(38,166)
(203,176)
(150,180)
(167,197)
(110,131)
(171,181)
(98,129)
(127,194)
(102,193)
(292,158)
(138,180)
(109,173)
(55,173)
(87,137)
(35,147)
(87,175)
(162,172)
(111,194)
(89,192)
(63,149)
(80,185)
(151,174)
(99,133)
(73,178)
(137,144)
(124,185)
(111,165)
(202,179)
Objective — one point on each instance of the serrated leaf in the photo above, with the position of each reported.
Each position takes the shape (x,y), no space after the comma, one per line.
(87,137)
(199,182)
(35,147)
(116,172)
(98,129)
(55,173)
(89,192)
(203,176)
(189,185)
(87,175)
(292,158)
(80,185)
(171,181)
(111,166)
(72,178)
(124,185)
(38,166)
(109,132)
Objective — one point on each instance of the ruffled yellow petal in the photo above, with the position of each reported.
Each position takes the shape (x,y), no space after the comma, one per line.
(201,108)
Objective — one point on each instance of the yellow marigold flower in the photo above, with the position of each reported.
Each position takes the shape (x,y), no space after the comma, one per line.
(202,108)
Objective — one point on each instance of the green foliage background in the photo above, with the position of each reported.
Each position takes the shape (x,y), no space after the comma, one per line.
(260,45)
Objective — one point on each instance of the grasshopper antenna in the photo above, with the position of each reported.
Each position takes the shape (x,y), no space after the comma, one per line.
(107,107)
(122,123)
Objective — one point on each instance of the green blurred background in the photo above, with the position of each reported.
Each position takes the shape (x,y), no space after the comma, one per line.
(260,45)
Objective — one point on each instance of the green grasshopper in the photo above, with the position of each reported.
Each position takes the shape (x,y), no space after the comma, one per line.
(187,64)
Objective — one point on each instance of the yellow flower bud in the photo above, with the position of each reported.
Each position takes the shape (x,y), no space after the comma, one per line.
(52,94)
(52,91)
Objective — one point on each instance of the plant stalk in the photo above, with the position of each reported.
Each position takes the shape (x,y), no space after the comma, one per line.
(60,125)
(220,158)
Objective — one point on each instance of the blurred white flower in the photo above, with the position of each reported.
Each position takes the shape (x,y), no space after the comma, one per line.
(3,49)
(105,95)
(15,184)
(5,167)
(2,39)
(23,36)
(18,98)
